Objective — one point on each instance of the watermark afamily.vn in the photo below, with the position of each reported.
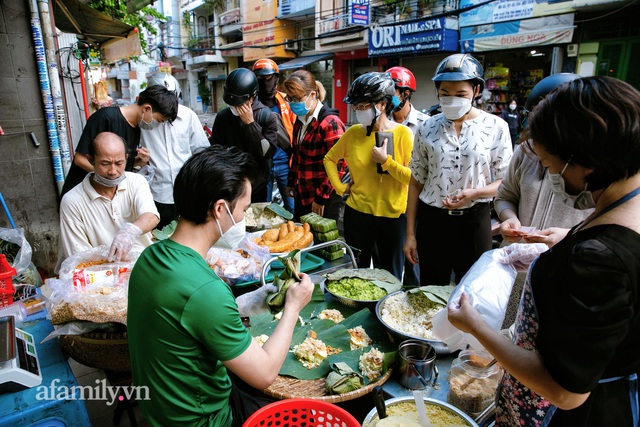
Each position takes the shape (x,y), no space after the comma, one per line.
(101,391)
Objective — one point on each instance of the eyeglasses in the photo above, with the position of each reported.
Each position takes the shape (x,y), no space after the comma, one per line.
(289,99)
(362,107)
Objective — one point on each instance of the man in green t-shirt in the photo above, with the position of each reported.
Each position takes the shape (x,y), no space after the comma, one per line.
(183,322)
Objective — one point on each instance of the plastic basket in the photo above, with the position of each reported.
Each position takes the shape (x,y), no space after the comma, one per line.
(301,413)
(6,287)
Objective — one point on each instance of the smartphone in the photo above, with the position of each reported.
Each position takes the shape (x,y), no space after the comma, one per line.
(380,137)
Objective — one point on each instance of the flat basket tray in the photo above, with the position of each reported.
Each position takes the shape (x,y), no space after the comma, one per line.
(289,388)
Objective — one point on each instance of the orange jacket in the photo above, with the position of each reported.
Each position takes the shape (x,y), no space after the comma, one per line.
(288,118)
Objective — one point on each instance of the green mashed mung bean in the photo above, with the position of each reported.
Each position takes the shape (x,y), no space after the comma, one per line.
(356,288)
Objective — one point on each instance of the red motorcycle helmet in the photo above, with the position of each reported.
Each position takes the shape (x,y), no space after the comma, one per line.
(265,67)
(403,78)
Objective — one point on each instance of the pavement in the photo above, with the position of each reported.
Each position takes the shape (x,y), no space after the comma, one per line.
(207,118)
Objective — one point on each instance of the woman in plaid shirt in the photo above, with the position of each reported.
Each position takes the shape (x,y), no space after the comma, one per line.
(315,131)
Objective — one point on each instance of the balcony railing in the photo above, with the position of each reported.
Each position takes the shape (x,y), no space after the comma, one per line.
(337,24)
(414,9)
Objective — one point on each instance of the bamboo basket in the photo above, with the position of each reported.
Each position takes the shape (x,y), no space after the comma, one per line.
(102,350)
(292,388)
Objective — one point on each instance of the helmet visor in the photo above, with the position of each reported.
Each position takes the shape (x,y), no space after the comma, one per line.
(235,100)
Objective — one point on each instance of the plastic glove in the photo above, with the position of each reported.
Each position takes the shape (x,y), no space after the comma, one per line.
(123,242)
(148,172)
(254,303)
(520,255)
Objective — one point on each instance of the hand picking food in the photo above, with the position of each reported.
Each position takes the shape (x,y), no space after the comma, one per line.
(286,238)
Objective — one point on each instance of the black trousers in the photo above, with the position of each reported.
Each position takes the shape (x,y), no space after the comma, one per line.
(364,231)
(167,214)
(449,243)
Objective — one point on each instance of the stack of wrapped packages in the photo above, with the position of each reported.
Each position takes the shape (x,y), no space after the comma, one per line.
(324,230)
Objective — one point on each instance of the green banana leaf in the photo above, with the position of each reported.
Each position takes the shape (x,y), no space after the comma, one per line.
(437,294)
(352,359)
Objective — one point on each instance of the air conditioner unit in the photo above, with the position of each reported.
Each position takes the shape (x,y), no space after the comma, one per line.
(290,44)
(572,50)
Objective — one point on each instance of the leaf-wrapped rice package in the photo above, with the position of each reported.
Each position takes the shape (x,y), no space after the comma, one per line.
(343,379)
(326,237)
(290,275)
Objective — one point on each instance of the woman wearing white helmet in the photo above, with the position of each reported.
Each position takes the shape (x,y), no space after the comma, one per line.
(458,160)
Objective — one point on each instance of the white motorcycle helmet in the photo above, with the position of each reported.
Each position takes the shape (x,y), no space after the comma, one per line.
(168,81)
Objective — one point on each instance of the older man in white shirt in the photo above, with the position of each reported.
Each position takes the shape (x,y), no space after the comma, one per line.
(170,145)
(109,207)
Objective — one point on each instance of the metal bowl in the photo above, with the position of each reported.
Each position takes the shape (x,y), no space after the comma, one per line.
(355,303)
(428,401)
(439,346)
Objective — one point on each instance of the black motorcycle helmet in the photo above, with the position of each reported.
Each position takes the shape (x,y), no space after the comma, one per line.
(240,86)
(460,67)
(546,85)
(370,87)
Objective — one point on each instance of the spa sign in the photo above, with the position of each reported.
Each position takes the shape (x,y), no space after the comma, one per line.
(413,38)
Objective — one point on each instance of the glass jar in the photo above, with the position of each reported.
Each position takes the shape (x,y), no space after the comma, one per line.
(472,386)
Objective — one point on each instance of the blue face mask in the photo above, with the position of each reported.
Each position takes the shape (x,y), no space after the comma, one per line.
(299,108)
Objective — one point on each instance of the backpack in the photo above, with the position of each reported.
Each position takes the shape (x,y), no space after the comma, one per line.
(282,139)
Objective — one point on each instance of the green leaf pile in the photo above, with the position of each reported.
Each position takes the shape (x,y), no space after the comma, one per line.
(166,231)
(438,294)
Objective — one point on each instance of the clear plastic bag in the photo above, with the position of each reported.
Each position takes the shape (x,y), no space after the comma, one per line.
(92,268)
(254,302)
(26,272)
(239,265)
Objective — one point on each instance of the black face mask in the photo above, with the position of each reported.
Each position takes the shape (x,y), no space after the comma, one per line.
(267,88)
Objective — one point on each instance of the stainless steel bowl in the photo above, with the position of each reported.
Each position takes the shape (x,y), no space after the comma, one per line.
(428,401)
(439,346)
(349,302)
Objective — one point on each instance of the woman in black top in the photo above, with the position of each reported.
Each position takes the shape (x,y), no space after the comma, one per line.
(575,357)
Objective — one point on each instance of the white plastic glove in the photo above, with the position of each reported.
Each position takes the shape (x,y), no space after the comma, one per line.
(148,172)
(520,255)
(253,303)
(123,242)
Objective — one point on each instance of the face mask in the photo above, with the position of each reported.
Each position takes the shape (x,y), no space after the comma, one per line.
(268,88)
(512,107)
(149,125)
(454,107)
(109,182)
(234,110)
(299,108)
(582,201)
(367,117)
(231,238)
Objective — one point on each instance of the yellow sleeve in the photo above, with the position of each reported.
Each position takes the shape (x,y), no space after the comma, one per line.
(330,161)
(398,167)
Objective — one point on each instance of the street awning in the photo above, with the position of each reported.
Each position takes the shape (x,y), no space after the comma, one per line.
(301,61)
(74,17)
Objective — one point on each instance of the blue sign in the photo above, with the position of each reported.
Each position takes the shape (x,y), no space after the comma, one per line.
(359,12)
(430,35)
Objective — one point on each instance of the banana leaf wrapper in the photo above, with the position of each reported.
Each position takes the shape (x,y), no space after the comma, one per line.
(290,275)
(343,379)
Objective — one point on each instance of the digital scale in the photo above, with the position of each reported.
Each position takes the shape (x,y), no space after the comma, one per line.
(19,366)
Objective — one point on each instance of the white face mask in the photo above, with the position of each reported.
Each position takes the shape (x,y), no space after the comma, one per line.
(367,117)
(148,125)
(454,107)
(231,238)
(582,201)
(109,182)
(234,110)
(512,107)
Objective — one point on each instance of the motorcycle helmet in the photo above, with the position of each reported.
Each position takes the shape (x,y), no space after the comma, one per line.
(460,67)
(370,87)
(240,86)
(403,78)
(265,67)
(546,85)
(166,80)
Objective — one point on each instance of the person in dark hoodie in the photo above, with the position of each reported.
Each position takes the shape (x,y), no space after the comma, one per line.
(315,131)
(248,125)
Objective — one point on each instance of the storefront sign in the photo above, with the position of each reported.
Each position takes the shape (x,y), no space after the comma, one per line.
(510,10)
(515,34)
(262,35)
(430,35)
(359,12)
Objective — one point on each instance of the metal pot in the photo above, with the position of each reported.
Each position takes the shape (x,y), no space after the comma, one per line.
(427,401)
(439,346)
(417,365)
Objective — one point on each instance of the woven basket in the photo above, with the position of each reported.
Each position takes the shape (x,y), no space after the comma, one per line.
(292,388)
(101,350)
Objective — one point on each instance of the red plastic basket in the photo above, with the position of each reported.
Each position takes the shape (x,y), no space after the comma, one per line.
(301,413)
(6,287)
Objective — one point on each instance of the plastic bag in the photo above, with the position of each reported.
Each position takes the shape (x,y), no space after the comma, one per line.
(239,265)
(26,272)
(94,262)
(488,284)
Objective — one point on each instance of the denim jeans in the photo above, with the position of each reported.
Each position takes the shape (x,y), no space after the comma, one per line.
(280,174)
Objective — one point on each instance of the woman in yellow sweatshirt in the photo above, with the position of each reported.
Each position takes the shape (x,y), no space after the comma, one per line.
(375,211)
